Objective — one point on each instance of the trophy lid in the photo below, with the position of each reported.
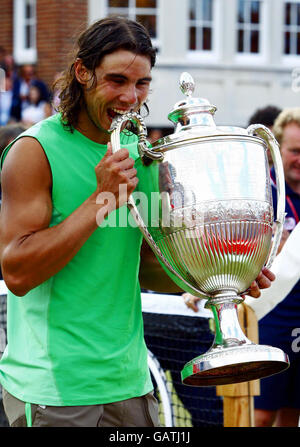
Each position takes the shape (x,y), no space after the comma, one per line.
(191,111)
(193,118)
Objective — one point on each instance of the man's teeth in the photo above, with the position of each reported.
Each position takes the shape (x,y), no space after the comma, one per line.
(120,112)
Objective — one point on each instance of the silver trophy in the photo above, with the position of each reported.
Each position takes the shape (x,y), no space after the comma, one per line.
(212,225)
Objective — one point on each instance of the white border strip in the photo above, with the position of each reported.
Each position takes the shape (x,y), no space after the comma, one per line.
(172,305)
(3,288)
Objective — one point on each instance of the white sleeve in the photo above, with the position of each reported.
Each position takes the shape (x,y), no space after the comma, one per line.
(286,267)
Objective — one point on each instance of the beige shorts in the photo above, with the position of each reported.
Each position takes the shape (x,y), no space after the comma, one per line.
(136,412)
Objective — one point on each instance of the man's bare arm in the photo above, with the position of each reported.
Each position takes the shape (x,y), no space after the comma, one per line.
(31,252)
(152,275)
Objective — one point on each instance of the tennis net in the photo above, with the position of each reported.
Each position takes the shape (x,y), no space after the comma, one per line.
(175,335)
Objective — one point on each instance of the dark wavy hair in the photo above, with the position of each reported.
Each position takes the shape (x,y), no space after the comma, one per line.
(101,38)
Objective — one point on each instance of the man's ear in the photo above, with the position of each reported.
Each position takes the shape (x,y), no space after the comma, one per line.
(82,74)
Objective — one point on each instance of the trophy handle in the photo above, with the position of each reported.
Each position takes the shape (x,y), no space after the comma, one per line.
(268,137)
(147,156)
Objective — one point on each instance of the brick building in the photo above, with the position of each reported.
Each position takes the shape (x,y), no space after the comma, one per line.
(243,54)
(41,32)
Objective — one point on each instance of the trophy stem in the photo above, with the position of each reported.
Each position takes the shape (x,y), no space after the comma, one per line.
(228,331)
(232,358)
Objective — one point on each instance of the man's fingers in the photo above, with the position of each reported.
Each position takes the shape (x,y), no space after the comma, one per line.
(131,173)
(264,279)
(121,154)
(191,301)
(254,290)
(125,165)
(117,162)
(108,152)
(270,275)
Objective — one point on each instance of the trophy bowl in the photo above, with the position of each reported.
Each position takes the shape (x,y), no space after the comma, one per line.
(208,217)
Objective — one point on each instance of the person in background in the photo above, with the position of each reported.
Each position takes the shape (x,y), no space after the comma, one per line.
(21,85)
(3,58)
(6,101)
(6,83)
(35,109)
(10,66)
(8,133)
(266,116)
(155,134)
(55,93)
(7,62)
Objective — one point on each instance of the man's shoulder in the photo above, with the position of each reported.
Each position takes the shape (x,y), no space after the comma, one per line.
(54,121)
(39,131)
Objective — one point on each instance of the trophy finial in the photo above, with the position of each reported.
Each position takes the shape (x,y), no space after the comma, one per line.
(187,84)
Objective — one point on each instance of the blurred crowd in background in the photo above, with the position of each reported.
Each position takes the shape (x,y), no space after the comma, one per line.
(24,98)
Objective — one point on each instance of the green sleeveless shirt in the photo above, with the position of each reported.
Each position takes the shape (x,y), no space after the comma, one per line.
(77,339)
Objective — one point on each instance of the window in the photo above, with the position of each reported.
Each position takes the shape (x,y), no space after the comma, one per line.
(143,11)
(292,28)
(25,31)
(249,26)
(29,24)
(201,27)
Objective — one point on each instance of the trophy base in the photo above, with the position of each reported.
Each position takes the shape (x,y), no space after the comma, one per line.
(225,365)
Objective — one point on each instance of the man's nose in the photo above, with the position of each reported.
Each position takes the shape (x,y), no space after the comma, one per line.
(129,95)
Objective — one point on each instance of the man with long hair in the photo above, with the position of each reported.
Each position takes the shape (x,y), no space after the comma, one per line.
(76,354)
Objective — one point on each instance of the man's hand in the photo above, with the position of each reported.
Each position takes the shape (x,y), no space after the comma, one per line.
(117,176)
(191,301)
(263,281)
